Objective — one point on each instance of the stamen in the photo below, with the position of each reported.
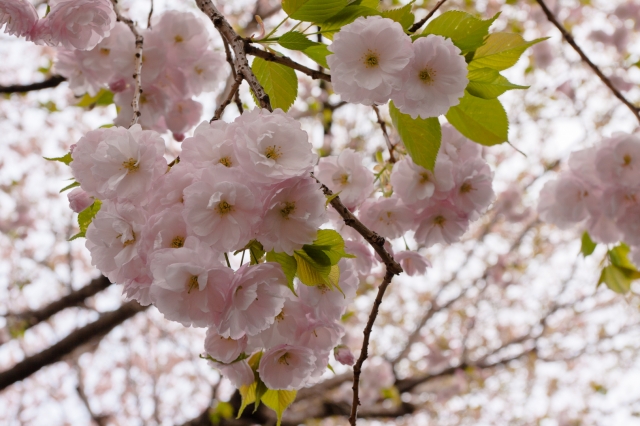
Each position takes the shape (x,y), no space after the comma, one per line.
(273,152)
(288,208)
(177,242)
(131,164)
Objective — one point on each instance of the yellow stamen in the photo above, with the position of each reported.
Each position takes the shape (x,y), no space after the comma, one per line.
(224,208)
(284,359)
(192,284)
(131,164)
(225,161)
(177,242)
(288,208)
(273,152)
(371,59)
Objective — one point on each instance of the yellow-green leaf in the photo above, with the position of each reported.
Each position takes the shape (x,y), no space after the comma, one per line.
(103,98)
(481,120)
(85,217)
(280,82)
(401,15)
(420,136)
(487,83)
(279,401)
(344,17)
(289,266)
(248,394)
(313,10)
(588,246)
(465,31)
(501,51)
(66,159)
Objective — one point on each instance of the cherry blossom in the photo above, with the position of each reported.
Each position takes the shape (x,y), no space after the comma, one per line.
(368,57)
(18,17)
(79,200)
(223,349)
(413,263)
(440,222)
(286,367)
(414,184)
(343,355)
(388,217)
(346,174)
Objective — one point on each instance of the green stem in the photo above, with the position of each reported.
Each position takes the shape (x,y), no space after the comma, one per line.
(277,26)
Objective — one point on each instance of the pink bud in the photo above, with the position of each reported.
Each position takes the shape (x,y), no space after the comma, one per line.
(343,355)
(179,137)
(79,200)
(118,86)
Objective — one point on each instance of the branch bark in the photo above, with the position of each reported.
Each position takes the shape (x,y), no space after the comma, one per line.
(415,27)
(286,61)
(97,329)
(50,82)
(569,39)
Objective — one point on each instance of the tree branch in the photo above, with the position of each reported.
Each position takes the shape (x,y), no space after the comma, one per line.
(52,81)
(383,126)
(26,320)
(286,61)
(238,46)
(137,91)
(415,27)
(569,38)
(73,341)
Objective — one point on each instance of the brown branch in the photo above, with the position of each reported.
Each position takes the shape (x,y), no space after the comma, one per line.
(415,27)
(150,15)
(26,320)
(569,38)
(237,44)
(73,341)
(52,81)
(232,93)
(137,75)
(383,126)
(286,61)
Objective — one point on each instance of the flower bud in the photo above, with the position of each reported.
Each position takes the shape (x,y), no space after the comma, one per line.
(343,355)
(79,200)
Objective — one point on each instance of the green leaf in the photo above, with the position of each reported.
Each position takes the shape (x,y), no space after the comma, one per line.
(103,98)
(317,254)
(420,136)
(107,126)
(66,159)
(465,31)
(619,256)
(373,4)
(616,278)
(313,10)
(248,394)
(588,246)
(481,120)
(402,15)
(222,411)
(346,16)
(295,40)
(289,266)
(334,244)
(487,83)
(279,401)
(280,82)
(85,217)
(501,51)
(73,185)
(261,389)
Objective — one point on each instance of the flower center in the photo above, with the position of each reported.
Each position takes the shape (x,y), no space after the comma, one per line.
(131,165)
(192,284)
(104,51)
(128,242)
(273,152)
(199,70)
(289,207)
(424,178)
(466,188)
(371,59)
(225,161)
(178,39)
(627,160)
(284,359)
(439,220)
(280,316)
(426,76)
(224,208)
(177,242)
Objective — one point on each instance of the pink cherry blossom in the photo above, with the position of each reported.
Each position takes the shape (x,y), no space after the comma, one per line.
(364,260)
(189,284)
(138,288)
(331,304)
(619,160)
(441,222)
(210,146)
(223,349)
(343,355)
(183,34)
(168,189)
(82,154)
(222,208)
(293,212)
(255,297)
(286,367)
(368,57)
(414,184)
(434,80)
(239,373)
(271,146)
(183,115)
(79,200)
(294,315)
(389,217)
(163,230)
(346,174)
(473,191)
(457,147)
(563,201)
(18,16)
(412,262)
(76,24)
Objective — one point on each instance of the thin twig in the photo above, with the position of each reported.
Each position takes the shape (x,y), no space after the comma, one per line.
(237,44)
(234,76)
(383,126)
(150,15)
(569,38)
(232,92)
(52,81)
(286,61)
(137,91)
(415,27)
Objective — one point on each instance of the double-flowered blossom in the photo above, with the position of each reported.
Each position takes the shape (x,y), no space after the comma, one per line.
(600,191)
(347,175)
(18,17)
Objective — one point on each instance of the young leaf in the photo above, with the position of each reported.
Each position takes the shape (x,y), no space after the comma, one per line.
(309,271)
(103,98)
(66,159)
(421,137)
(616,278)
(313,10)
(280,82)
(261,388)
(481,120)
(401,15)
(279,401)
(85,217)
(588,246)
(487,83)
(318,53)
(465,31)
(294,40)
(289,266)
(248,394)
(619,256)
(73,185)
(501,51)
(344,17)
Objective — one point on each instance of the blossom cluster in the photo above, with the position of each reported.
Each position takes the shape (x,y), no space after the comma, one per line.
(164,232)
(600,191)
(438,205)
(178,64)
(374,60)
(73,24)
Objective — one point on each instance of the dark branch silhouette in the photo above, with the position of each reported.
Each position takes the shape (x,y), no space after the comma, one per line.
(50,82)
